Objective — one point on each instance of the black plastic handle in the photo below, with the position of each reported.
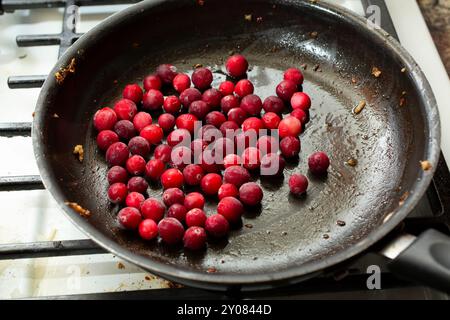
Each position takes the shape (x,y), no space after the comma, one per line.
(426,260)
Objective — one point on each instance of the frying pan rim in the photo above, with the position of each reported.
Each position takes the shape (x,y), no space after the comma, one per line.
(203,279)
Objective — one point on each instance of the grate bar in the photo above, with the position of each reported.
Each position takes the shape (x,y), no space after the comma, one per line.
(11,129)
(38,40)
(19,183)
(12,5)
(26,82)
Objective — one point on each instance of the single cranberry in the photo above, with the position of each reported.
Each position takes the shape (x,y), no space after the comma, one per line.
(170,230)
(250,194)
(273,104)
(148,229)
(300,115)
(136,165)
(195,217)
(172,196)
(194,200)
(244,140)
(211,183)
(212,97)
(294,75)
(243,88)
(228,128)
(194,238)
(166,121)
(209,133)
(152,133)
(139,146)
(190,95)
(229,102)
(290,147)
(105,119)
(117,192)
(236,66)
(172,178)
(271,120)
(207,160)
(179,137)
(132,92)
(267,144)
(152,100)
(236,175)
(272,165)
(253,123)
(166,72)
(298,184)
(117,154)
(252,104)
(172,104)
(134,199)
(177,211)
(154,169)
(232,160)
(318,163)
(163,152)
(227,190)
(221,148)
(193,174)
(129,218)
(198,146)
(289,127)
(125,109)
(180,157)
(124,129)
(217,226)
(117,174)
(202,78)
(300,100)
(152,82)
(215,118)
(199,109)
(181,82)
(226,88)
(286,89)
(141,120)
(186,121)
(251,158)
(106,138)
(153,209)
(237,115)
(137,184)
(231,208)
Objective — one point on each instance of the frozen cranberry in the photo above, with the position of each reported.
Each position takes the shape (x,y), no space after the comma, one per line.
(125,129)
(139,146)
(273,104)
(172,196)
(267,144)
(117,192)
(231,208)
(186,121)
(134,199)
(129,218)
(166,121)
(152,133)
(232,160)
(290,147)
(163,152)
(253,123)
(141,120)
(125,109)
(289,127)
(211,183)
(300,100)
(227,190)
(137,184)
(318,163)
(228,127)
(236,175)
(202,78)
(117,154)
(294,75)
(179,137)
(271,120)
(181,82)
(148,229)
(212,97)
(215,118)
(154,169)
(170,230)
(236,66)
(193,174)
(152,100)
(152,82)
(272,164)
(172,104)
(153,209)
(199,109)
(172,178)
(194,238)
(298,184)
(209,133)
(180,157)
(117,174)
(194,200)
(105,119)
(190,95)
(226,88)
(286,89)
(207,160)
(250,194)
(177,211)
(229,102)
(243,88)
(166,72)
(217,226)
(251,104)
(136,165)
(132,92)
(237,115)
(106,138)
(198,146)
(195,217)
(300,115)
(251,158)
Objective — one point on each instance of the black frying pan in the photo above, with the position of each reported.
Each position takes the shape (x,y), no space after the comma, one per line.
(286,244)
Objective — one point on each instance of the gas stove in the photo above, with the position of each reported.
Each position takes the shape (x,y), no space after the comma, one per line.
(42,255)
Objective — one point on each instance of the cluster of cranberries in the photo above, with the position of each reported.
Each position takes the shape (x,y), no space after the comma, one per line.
(128,135)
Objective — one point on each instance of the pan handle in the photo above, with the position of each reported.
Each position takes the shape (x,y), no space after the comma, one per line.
(425,259)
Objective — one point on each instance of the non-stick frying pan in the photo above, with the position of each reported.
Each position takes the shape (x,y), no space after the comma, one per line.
(288,239)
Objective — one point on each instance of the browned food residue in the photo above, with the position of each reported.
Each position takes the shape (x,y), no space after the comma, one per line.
(376,72)
(354,80)
(326,236)
(361,105)
(304,66)
(173,285)
(316,67)
(402,101)
(147,278)
(120,265)
(211,270)
(249,225)
(198,65)
(314,34)
(352,162)
(79,209)
(403,198)
(78,150)
(64,71)
(426,165)
(340,223)
(33,114)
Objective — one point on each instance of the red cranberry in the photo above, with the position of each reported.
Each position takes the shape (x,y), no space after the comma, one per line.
(129,218)
(194,238)
(163,152)
(211,183)
(172,196)
(125,109)
(286,89)
(251,104)
(194,200)
(148,229)
(199,109)
(229,102)
(166,72)
(221,148)
(180,157)
(106,138)
(186,121)
(212,97)
(141,120)
(250,194)
(117,192)
(251,158)
(294,75)
(215,118)
(125,129)
(217,226)
(179,137)
(190,95)
(198,146)
(207,161)
(117,174)
(134,199)
(318,163)
(154,169)
(202,78)
(133,92)
(227,190)
(298,184)
(243,88)
(136,165)
(195,217)
(267,144)
(226,88)
(272,164)
(237,115)
(181,82)
(300,115)
(193,174)
(105,119)
(290,147)
(300,100)
(273,104)
(139,146)
(232,160)
(209,133)
(253,123)
(117,154)
(137,184)
(166,121)
(153,209)
(271,120)
(152,82)
(230,127)
(172,178)
(231,208)
(236,175)
(172,104)
(170,230)
(244,140)
(289,127)
(236,66)
(152,100)
(152,133)
(177,211)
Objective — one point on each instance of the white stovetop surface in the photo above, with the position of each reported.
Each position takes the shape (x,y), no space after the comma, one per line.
(34,216)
